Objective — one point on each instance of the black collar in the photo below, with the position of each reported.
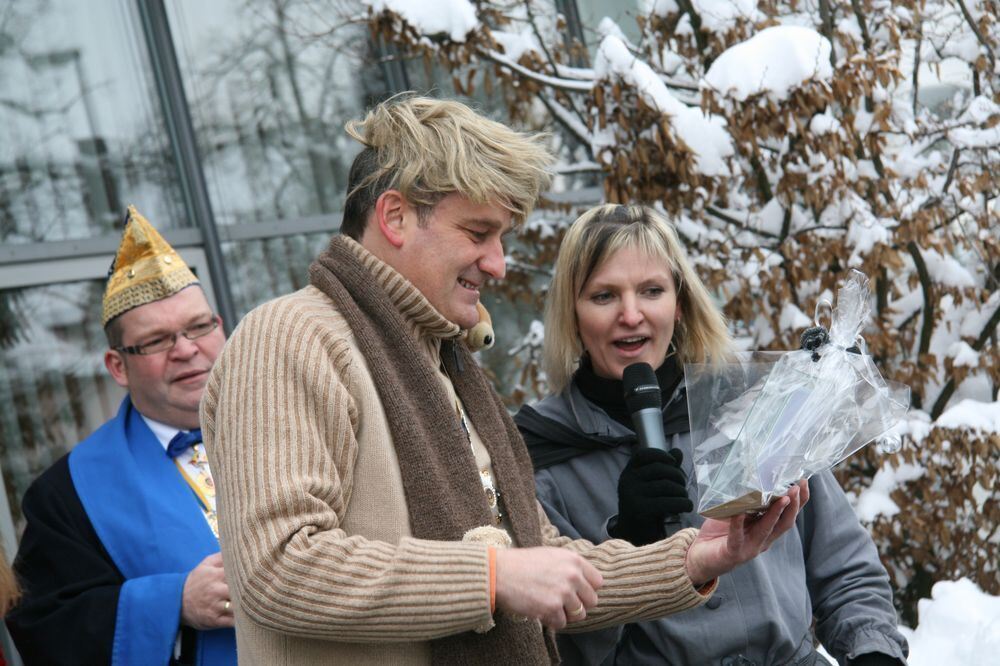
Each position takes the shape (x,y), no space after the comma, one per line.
(609,395)
(551,443)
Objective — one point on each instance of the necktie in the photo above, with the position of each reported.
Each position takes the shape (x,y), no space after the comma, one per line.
(194,469)
(182,441)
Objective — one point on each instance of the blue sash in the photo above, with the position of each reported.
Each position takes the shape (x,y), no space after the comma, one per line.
(152,526)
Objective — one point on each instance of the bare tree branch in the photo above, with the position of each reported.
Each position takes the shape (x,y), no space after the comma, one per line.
(728,219)
(548,55)
(979,35)
(699,36)
(826,17)
(571,123)
(933,201)
(866,39)
(927,329)
(949,387)
(763,184)
(916,58)
(558,83)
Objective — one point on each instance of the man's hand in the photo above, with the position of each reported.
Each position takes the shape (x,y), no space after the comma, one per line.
(722,545)
(205,603)
(553,585)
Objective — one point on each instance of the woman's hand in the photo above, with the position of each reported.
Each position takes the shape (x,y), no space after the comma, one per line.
(651,487)
(722,545)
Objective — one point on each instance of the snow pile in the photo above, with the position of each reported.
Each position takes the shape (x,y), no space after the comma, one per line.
(608,28)
(962,354)
(533,339)
(983,417)
(975,321)
(981,110)
(824,123)
(455,18)
(875,500)
(661,7)
(705,135)
(947,270)
(716,15)
(864,235)
(793,319)
(917,425)
(516,44)
(721,15)
(774,61)
(969,137)
(959,624)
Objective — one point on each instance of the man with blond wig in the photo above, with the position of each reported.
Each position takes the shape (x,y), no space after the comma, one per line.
(376,500)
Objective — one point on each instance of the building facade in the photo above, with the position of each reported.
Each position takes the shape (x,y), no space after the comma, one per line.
(221,121)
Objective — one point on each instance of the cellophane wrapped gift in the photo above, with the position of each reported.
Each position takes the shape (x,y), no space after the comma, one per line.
(760,421)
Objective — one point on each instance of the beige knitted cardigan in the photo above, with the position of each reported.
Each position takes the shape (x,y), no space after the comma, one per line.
(314,526)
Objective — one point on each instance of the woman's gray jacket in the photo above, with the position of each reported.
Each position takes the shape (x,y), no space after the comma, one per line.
(826,568)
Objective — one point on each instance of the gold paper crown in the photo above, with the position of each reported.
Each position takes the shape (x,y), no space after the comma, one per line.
(145,269)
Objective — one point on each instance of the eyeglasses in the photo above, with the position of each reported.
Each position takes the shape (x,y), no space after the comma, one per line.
(167,342)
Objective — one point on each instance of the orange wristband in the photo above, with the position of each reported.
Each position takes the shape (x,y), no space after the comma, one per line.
(493,579)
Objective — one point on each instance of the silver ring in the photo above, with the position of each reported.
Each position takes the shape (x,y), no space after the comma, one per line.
(227,606)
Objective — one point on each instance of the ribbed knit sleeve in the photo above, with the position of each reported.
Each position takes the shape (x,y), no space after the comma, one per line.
(280,427)
(640,583)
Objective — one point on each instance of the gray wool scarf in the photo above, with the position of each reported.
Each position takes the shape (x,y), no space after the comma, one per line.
(444,494)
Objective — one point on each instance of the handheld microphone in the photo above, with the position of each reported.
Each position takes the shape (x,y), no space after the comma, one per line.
(642,399)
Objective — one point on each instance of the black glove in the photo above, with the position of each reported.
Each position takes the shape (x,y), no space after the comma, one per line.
(652,486)
(874,659)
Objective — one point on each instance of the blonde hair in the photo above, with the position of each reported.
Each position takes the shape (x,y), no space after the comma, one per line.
(700,334)
(428,148)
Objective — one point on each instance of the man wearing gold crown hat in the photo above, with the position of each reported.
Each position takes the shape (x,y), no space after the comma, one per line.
(120,559)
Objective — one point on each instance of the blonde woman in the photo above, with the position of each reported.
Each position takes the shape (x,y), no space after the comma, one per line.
(624,292)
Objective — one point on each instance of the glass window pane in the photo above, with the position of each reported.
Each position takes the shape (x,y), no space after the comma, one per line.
(592,12)
(260,270)
(54,389)
(81,133)
(433,80)
(270,85)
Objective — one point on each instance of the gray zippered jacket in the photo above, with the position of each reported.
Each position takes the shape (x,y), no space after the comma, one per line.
(826,568)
